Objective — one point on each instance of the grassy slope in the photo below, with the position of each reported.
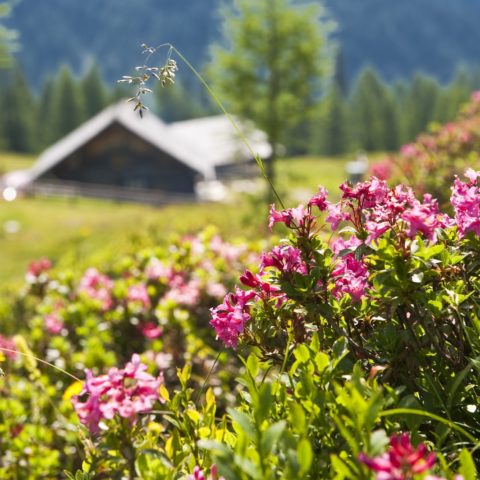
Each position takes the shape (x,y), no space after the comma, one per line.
(74,230)
(14,161)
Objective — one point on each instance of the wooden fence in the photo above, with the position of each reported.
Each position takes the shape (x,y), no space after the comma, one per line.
(52,188)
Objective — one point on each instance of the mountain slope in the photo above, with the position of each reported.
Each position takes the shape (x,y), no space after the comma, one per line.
(397,38)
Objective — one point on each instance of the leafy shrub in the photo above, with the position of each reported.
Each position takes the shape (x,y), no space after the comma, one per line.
(431,162)
(351,351)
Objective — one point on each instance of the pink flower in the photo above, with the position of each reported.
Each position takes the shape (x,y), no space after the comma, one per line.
(151,330)
(156,270)
(138,294)
(350,275)
(37,269)
(368,194)
(291,217)
(409,150)
(199,475)
(53,323)
(402,461)
(472,175)
(425,218)
(339,244)
(336,215)
(375,230)
(98,287)
(465,200)
(126,393)
(382,169)
(286,259)
(264,289)
(229,318)
(319,199)
(183,292)
(216,289)
(8,347)
(228,252)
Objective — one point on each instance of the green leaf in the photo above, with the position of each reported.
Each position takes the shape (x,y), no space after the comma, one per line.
(302,354)
(252,365)
(467,465)
(271,435)
(304,455)
(214,446)
(321,361)
(378,442)
(297,418)
(243,421)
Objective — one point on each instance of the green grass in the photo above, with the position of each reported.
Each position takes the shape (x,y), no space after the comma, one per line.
(15,161)
(304,174)
(74,231)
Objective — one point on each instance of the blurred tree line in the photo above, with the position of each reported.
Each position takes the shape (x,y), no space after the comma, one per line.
(32,121)
(371,115)
(376,116)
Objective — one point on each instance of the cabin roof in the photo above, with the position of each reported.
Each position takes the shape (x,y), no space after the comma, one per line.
(219,140)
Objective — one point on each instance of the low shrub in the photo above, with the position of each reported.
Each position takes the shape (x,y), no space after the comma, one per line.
(350,351)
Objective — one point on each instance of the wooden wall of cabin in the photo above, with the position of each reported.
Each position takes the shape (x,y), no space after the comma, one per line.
(118,157)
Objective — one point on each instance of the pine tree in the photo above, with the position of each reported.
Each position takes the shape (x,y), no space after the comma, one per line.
(420,104)
(340,76)
(44,118)
(332,128)
(175,104)
(67,112)
(391,126)
(94,94)
(368,112)
(17,121)
(457,93)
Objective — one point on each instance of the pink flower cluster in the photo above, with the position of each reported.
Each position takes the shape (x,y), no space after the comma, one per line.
(402,461)
(466,203)
(37,269)
(151,330)
(286,259)
(230,253)
(98,287)
(157,270)
(374,208)
(182,291)
(53,323)
(299,218)
(199,475)
(125,392)
(229,318)
(138,295)
(8,347)
(350,275)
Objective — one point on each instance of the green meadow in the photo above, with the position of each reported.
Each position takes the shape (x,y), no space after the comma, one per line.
(73,231)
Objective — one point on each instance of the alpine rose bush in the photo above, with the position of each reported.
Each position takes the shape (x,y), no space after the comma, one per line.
(430,164)
(362,322)
(126,392)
